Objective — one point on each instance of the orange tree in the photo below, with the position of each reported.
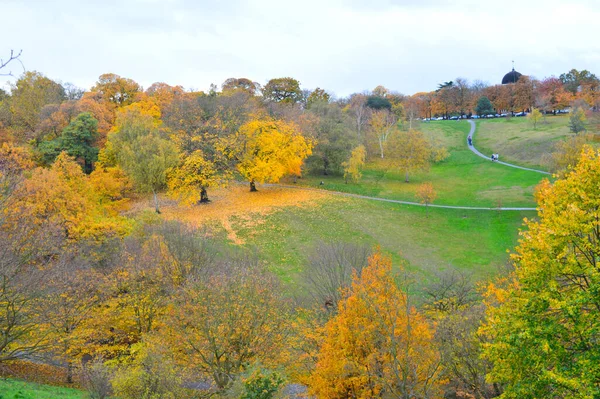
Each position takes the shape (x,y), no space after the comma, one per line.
(377,345)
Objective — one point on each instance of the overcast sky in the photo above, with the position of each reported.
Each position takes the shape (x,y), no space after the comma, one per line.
(344,46)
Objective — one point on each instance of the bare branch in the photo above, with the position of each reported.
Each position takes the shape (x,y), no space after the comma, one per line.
(13,57)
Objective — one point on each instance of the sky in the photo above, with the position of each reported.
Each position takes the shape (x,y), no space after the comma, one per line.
(343,46)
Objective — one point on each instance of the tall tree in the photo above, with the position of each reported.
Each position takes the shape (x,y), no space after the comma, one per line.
(268,149)
(117,90)
(142,150)
(354,166)
(408,152)
(382,124)
(285,90)
(484,106)
(78,140)
(377,345)
(546,327)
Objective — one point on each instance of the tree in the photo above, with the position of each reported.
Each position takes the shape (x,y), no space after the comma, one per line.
(377,345)
(546,327)
(358,106)
(78,140)
(566,153)
(574,79)
(523,93)
(140,148)
(353,167)
(195,174)
(285,90)
(409,151)
(317,96)
(379,103)
(117,90)
(269,149)
(232,84)
(484,106)
(426,194)
(382,124)
(29,95)
(221,325)
(535,116)
(577,120)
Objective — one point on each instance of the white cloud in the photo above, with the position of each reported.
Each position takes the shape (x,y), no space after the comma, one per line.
(341,45)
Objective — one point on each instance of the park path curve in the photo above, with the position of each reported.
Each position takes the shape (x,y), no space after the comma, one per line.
(476,151)
(366,197)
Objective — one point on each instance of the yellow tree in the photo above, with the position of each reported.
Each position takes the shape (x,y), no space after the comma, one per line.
(353,167)
(383,124)
(409,151)
(535,116)
(269,149)
(195,174)
(377,345)
(546,328)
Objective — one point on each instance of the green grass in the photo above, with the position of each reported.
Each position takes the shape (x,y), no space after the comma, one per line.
(516,141)
(463,179)
(16,389)
(434,239)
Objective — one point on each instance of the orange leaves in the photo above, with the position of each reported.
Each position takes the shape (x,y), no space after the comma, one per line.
(377,342)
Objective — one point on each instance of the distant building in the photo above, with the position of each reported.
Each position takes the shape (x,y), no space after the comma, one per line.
(511,77)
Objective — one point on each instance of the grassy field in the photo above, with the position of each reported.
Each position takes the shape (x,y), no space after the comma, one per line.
(463,179)
(283,226)
(16,389)
(518,142)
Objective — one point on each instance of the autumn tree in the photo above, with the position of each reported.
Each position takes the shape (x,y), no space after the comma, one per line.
(285,90)
(577,120)
(545,329)
(566,153)
(116,89)
(78,140)
(267,150)
(426,194)
(318,95)
(142,150)
(377,345)
(408,152)
(382,124)
(195,174)
(29,95)
(245,84)
(535,116)
(220,325)
(523,94)
(353,167)
(358,108)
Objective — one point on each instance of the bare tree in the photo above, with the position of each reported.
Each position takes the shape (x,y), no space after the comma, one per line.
(329,271)
(14,56)
(450,290)
(358,105)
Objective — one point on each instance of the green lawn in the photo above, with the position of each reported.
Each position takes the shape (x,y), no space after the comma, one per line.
(516,141)
(16,389)
(474,241)
(463,179)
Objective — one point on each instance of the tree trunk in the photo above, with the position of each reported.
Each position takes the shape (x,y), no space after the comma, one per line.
(69,372)
(406,177)
(252,187)
(203,196)
(381,146)
(156,202)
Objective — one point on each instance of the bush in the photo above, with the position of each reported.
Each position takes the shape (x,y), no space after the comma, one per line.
(96,380)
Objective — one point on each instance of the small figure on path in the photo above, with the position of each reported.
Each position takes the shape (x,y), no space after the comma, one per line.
(470,140)
(494,157)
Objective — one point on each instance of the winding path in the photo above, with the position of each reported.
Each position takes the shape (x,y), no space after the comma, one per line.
(476,151)
(340,193)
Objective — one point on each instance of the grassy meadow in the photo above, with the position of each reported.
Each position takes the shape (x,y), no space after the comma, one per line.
(16,389)
(462,179)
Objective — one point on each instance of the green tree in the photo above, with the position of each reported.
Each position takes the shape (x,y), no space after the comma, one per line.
(142,151)
(285,90)
(577,120)
(546,328)
(484,106)
(77,139)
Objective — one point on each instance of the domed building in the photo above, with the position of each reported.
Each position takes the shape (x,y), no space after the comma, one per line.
(511,77)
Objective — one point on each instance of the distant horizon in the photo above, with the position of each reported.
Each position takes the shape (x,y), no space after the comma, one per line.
(343,46)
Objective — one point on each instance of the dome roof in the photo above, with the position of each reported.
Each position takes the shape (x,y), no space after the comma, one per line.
(511,77)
